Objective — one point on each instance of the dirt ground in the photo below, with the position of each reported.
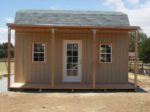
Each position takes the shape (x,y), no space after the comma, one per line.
(78,101)
(75,102)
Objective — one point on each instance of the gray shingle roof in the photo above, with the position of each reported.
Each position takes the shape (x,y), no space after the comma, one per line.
(71,18)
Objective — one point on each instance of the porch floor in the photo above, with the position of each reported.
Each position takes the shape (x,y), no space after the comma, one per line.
(71,86)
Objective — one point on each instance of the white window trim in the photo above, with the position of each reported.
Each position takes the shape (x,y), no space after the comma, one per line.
(38,52)
(104,53)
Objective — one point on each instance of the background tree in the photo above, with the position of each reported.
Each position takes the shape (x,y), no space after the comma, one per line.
(3,50)
(144,51)
(141,37)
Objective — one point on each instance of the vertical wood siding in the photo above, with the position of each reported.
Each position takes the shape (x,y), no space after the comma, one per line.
(27,71)
(114,72)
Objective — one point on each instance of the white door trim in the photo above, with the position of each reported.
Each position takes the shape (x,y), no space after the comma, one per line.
(79,69)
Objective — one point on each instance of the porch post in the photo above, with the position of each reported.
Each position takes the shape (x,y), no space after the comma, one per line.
(94,59)
(52,58)
(136,59)
(9,57)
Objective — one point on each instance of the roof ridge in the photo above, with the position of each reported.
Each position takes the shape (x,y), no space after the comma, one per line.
(70,11)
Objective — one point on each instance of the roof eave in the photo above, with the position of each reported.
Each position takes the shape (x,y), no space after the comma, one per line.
(128,28)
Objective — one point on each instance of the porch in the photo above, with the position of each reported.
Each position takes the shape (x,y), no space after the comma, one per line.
(128,86)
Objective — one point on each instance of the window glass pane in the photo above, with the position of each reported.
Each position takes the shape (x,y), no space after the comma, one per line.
(35,45)
(35,49)
(41,49)
(41,59)
(69,46)
(105,53)
(35,58)
(108,57)
(102,48)
(102,58)
(41,55)
(38,52)
(41,46)
(75,46)
(36,55)
(108,49)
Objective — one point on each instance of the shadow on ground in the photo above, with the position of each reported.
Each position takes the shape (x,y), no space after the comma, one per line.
(139,90)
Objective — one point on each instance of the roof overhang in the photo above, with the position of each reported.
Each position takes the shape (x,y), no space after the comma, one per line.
(48,27)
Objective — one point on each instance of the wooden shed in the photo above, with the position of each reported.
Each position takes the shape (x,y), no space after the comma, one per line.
(59,49)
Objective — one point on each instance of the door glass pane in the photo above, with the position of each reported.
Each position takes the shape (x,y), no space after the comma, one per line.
(75,66)
(69,53)
(69,60)
(72,59)
(75,53)
(75,59)
(69,66)
(69,72)
(74,73)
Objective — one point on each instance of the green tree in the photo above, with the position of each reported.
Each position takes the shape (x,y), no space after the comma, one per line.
(141,37)
(144,51)
(3,50)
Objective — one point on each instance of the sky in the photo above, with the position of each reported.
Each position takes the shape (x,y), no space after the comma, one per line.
(138,10)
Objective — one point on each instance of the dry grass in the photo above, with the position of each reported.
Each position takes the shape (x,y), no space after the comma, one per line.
(3,68)
(140,76)
(143,81)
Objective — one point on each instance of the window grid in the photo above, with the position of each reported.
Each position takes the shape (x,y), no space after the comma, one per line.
(105,55)
(38,52)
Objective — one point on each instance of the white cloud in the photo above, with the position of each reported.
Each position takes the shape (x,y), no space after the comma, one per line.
(4,31)
(55,8)
(9,20)
(133,1)
(139,16)
(116,4)
(3,35)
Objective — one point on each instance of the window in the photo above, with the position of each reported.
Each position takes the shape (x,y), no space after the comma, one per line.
(38,52)
(105,53)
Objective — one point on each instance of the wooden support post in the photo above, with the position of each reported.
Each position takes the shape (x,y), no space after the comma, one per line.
(136,60)
(94,59)
(9,57)
(15,57)
(52,58)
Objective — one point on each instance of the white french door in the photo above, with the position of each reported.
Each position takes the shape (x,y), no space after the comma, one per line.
(72,58)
